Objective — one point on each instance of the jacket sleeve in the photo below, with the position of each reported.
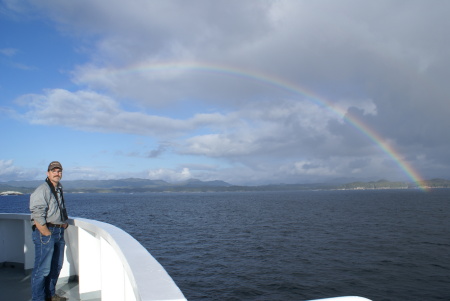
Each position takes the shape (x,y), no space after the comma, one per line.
(39,204)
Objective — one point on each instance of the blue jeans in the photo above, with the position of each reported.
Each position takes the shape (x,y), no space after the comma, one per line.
(48,260)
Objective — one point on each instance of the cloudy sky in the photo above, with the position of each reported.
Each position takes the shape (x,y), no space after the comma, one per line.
(249,92)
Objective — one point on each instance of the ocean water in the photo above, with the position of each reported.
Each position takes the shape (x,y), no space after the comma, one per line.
(302,245)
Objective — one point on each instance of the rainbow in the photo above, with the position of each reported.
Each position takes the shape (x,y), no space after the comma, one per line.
(406,167)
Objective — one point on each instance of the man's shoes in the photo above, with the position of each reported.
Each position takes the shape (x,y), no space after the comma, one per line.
(56,298)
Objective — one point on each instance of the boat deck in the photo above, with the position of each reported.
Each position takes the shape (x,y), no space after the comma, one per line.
(15,284)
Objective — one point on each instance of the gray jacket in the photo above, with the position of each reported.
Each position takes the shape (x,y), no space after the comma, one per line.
(44,207)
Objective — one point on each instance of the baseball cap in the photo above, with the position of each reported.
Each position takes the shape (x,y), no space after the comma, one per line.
(54,164)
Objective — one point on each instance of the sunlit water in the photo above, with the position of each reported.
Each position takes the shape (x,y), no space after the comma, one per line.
(382,245)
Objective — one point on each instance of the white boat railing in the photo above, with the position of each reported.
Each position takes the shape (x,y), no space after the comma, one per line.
(107,262)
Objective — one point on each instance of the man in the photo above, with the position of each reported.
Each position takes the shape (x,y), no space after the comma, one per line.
(49,220)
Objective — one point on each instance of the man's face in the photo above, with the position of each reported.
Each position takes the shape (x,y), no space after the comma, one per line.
(54,175)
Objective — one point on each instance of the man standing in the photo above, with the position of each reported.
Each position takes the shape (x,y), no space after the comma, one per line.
(49,220)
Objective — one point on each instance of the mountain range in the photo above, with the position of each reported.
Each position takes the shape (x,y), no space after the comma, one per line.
(122,185)
(135,185)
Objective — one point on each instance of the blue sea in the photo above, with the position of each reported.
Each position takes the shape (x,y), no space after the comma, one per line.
(296,245)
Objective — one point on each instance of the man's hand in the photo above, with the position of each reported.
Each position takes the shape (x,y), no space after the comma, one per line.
(43,229)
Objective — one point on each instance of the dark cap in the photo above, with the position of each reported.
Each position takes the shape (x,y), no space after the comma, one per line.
(54,164)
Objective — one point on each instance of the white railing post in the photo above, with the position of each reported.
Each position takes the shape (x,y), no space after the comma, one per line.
(89,265)
(113,282)
(28,245)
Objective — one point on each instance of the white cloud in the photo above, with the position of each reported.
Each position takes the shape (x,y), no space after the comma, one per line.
(170,175)
(91,111)
(285,128)
(311,169)
(8,51)
(10,172)
(7,167)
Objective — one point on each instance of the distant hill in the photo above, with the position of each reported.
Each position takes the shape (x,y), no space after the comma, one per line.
(198,183)
(5,187)
(381,184)
(384,184)
(194,185)
(437,183)
(122,185)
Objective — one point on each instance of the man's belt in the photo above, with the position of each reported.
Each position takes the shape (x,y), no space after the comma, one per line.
(55,225)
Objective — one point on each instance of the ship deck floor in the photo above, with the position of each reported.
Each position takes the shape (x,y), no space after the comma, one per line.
(15,284)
